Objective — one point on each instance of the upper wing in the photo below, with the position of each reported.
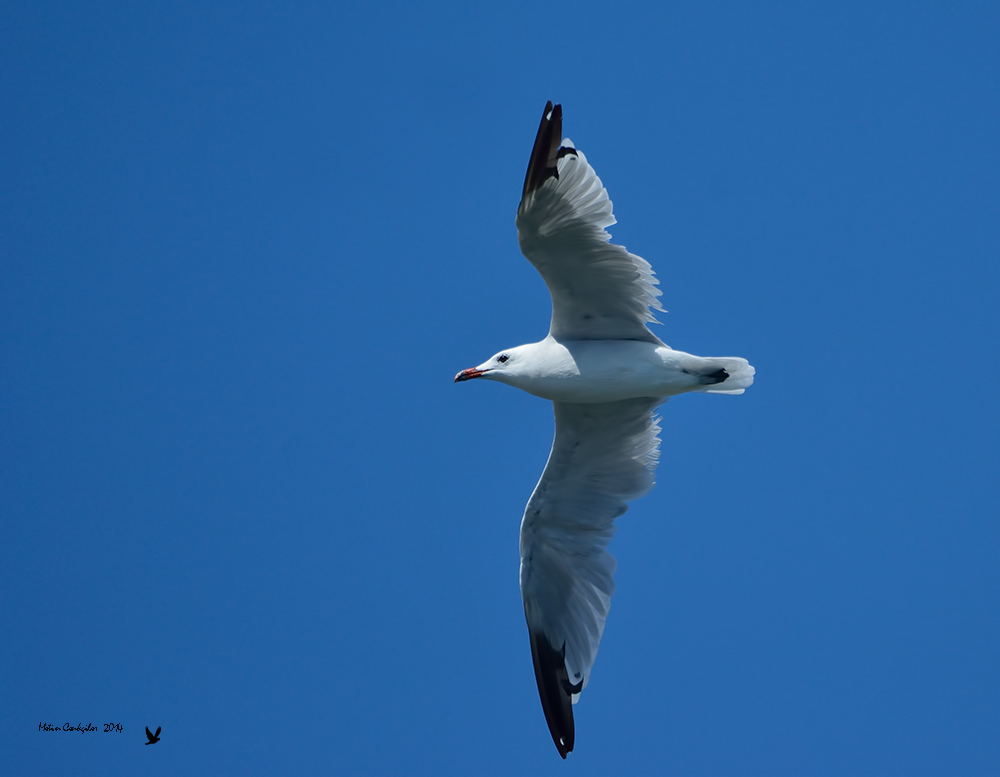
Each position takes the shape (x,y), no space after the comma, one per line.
(599,291)
(602,456)
(149,734)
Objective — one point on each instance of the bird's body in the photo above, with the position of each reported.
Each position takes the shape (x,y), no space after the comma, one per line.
(596,371)
(605,373)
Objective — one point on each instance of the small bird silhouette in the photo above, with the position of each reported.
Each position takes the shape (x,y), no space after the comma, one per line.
(153,738)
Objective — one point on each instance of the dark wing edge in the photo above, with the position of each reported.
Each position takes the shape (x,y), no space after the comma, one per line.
(554,690)
(599,290)
(158,730)
(603,456)
(545,152)
(149,734)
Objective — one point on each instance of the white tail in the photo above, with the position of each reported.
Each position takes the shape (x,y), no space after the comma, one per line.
(740,371)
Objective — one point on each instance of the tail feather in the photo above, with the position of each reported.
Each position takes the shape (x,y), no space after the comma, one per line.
(740,375)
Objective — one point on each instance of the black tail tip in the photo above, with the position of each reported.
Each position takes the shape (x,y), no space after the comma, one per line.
(719,376)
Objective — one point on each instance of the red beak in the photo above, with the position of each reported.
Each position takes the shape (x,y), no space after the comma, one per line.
(468,374)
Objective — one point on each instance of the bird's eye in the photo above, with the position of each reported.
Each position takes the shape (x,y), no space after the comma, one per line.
(502,358)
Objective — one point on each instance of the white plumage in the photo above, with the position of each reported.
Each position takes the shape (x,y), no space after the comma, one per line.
(605,373)
(599,290)
(603,455)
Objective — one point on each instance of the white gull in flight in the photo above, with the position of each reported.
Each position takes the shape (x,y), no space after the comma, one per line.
(605,372)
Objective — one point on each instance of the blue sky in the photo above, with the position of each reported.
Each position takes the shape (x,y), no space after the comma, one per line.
(246,247)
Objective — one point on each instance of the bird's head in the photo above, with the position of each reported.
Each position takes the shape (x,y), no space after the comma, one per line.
(504,367)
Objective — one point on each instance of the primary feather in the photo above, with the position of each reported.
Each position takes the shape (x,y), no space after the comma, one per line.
(599,290)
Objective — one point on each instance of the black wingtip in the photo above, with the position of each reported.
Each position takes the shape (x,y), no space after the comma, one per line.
(554,690)
(545,152)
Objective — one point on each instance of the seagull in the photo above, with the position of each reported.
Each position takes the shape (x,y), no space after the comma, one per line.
(153,738)
(605,373)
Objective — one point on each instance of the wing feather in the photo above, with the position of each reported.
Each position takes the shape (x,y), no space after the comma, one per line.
(602,456)
(599,290)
